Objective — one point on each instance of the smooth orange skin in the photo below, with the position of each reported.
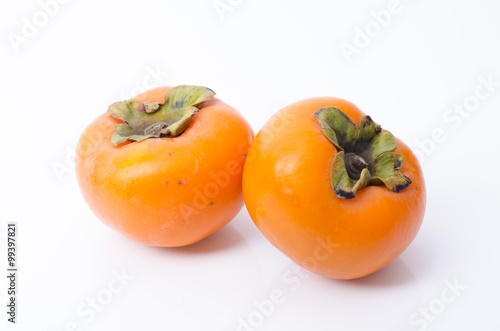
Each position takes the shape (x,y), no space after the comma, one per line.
(166,192)
(287,191)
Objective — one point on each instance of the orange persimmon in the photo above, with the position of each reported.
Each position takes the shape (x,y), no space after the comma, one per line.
(333,191)
(165,167)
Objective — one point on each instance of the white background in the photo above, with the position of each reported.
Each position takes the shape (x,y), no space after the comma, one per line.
(258,56)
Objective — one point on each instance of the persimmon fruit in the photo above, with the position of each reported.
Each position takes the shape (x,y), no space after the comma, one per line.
(165,167)
(333,191)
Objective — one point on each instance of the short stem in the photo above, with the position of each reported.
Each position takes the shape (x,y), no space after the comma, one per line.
(354,165)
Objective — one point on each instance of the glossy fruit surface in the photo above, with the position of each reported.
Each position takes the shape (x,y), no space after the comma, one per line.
(171,190)
(287,187)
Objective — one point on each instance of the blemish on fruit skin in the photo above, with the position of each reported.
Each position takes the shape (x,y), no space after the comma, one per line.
(182,182)
(211,203)
(244,155)
(167,183)
(169,154)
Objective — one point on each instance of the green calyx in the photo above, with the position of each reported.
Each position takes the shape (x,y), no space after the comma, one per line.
(157,120)
(364,155)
